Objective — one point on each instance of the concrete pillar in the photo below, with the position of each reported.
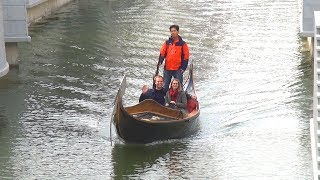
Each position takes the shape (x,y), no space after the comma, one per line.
(12,53)
(311,46)
(4,66)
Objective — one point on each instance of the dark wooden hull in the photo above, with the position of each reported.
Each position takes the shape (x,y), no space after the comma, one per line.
(136,130)
(172,124)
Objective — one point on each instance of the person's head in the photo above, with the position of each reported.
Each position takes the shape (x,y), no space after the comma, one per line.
(144,88)
(175,85)
(174,30)
(158,81)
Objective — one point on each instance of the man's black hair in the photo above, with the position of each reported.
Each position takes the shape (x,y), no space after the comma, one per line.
(174,26)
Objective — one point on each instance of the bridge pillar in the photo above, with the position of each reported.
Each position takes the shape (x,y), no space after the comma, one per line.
(4,66)
(12,53)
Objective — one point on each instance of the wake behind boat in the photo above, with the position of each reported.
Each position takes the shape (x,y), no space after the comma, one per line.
(149,121)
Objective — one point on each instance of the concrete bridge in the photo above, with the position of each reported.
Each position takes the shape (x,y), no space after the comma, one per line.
(315,121)
(307,21)
(15,16)
(310,29)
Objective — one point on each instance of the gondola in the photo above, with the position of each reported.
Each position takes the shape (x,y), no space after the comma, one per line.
(149,121)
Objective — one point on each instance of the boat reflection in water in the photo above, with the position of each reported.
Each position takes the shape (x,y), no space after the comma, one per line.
(138,160)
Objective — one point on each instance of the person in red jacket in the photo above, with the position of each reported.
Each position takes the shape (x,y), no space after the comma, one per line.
(175,52)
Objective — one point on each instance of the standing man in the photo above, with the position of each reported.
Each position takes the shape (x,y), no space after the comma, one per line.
(176,54)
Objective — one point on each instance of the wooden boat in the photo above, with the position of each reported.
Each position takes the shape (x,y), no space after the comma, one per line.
(149,121)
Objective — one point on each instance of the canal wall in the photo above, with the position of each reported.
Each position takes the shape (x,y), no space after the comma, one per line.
(16,16)
(37,9)
(307,22)
(4,67)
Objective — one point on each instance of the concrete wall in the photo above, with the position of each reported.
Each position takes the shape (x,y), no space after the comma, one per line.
(307,22)
(15,21)
(307,19)
(18,14)
(38,9)
(4,67)
(15,27)
(314,122)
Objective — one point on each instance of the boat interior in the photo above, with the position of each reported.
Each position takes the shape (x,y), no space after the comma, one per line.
(149,110)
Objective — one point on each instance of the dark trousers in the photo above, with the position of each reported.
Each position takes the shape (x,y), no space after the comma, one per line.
(168,74)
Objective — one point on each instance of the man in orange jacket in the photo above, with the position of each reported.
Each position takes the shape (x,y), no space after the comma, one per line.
(176,54)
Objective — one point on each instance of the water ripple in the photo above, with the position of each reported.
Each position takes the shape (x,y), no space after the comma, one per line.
(253,83)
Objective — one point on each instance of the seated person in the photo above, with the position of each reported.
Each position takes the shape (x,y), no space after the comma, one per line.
(192,103)
(157,93)
(176,96)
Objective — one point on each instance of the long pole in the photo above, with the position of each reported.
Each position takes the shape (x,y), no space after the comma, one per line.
(156,73)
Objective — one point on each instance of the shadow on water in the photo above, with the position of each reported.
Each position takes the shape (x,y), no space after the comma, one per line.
(4,148)
(134,160)
(305,79)
(11,105)
(303,103)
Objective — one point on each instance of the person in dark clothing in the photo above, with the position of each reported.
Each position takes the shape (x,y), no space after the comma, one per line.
(157,93)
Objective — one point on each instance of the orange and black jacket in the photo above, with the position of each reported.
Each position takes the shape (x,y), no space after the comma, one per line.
(175,53)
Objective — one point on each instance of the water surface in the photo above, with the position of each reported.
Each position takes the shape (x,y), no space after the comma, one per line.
(252,80)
